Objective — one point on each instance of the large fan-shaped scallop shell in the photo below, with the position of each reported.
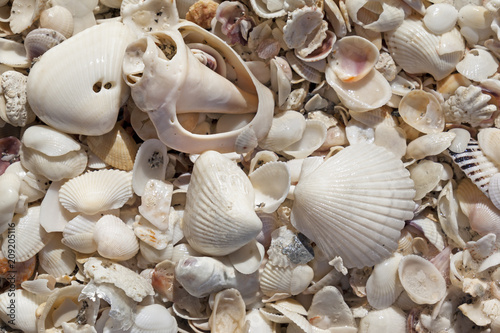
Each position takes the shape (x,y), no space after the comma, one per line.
(76,86)
(354,205)
(219,217)
(417,50)
(96,191)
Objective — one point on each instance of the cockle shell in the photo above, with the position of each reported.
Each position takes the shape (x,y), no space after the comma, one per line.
(380,320)
(422,111)
(153,318)
(478,65)
(388,201)
(90,106)
(114,239)
(219,217)
(79,234)
(40,40)
(57,18)
(56,258)
(383,286)
(421,280)
(116,148)
(286,281)
(414,48)
(96,191)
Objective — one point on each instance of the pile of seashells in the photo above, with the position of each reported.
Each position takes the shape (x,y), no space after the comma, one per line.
(250,166)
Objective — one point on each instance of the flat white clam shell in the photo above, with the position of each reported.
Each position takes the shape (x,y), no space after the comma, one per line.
(286,128)
(30,236)
(380,320)
(114,239)
(414,48)
(271,183)
(421,279)
(91,105)
(96,191)
(14,54)
(150,163)
(49,141)
(368,93)
(313,137)
(379,195)
(219,217)
(383,286)
(440,17)
(248,258)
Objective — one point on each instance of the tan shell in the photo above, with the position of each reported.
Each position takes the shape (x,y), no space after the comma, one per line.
(116,148)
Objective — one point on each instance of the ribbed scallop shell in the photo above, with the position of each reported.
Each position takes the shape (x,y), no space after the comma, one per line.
(49,141)
(25,319)
(383,286)
(79,234)
(219,217)
(287,280)
(416,49)
(114,239)
(58,18)
(116,148)
(77,86)
(476,166)
(96,191)
(57,259)
(40,40)
(154,318)
(354,204)
(30,237)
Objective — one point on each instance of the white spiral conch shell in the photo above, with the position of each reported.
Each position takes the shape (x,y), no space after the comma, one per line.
(369,231)
(146,67)
(219,217)
(90,106)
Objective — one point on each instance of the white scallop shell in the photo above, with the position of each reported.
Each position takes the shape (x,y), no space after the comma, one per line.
(421,279)
(150,163)
(219,217)
(30,236)
(96,191)
(422,111)
(56,258)
(54,168)
(477,65)
(79,234)
(285,280)
(49,141)
(86,91)
(383,286)
(414,48)
(25,320)
(380,320)
(377,188)
(488,140)
(114,239)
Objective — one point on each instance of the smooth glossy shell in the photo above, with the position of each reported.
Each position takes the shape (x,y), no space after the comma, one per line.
(422,111)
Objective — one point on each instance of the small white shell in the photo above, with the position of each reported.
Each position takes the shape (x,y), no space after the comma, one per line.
(421,280)
(219,217)
(313,137)
(477,65)
(150,163)
(379,15)
(59,19)
(155,202)
(79,234)
(286,128)
(271,183)
(96,191)
(422,111)
(153,318)
(380,320)
(49,141)
(285,280)
(488,140)
(30,236)
(440,18)
(56,258)
(383,286)
(114,239)
(429,145)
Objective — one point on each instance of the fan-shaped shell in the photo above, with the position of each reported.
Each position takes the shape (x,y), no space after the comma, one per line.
(49,141)
(286,280)
(96,191)
(375,186)
(59,19)
(417,50)
(30,236)
(219,217)
(114,239)
(116,148)
(383,286)
(56,258)
(154,318)
(380,320)
(77,86)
